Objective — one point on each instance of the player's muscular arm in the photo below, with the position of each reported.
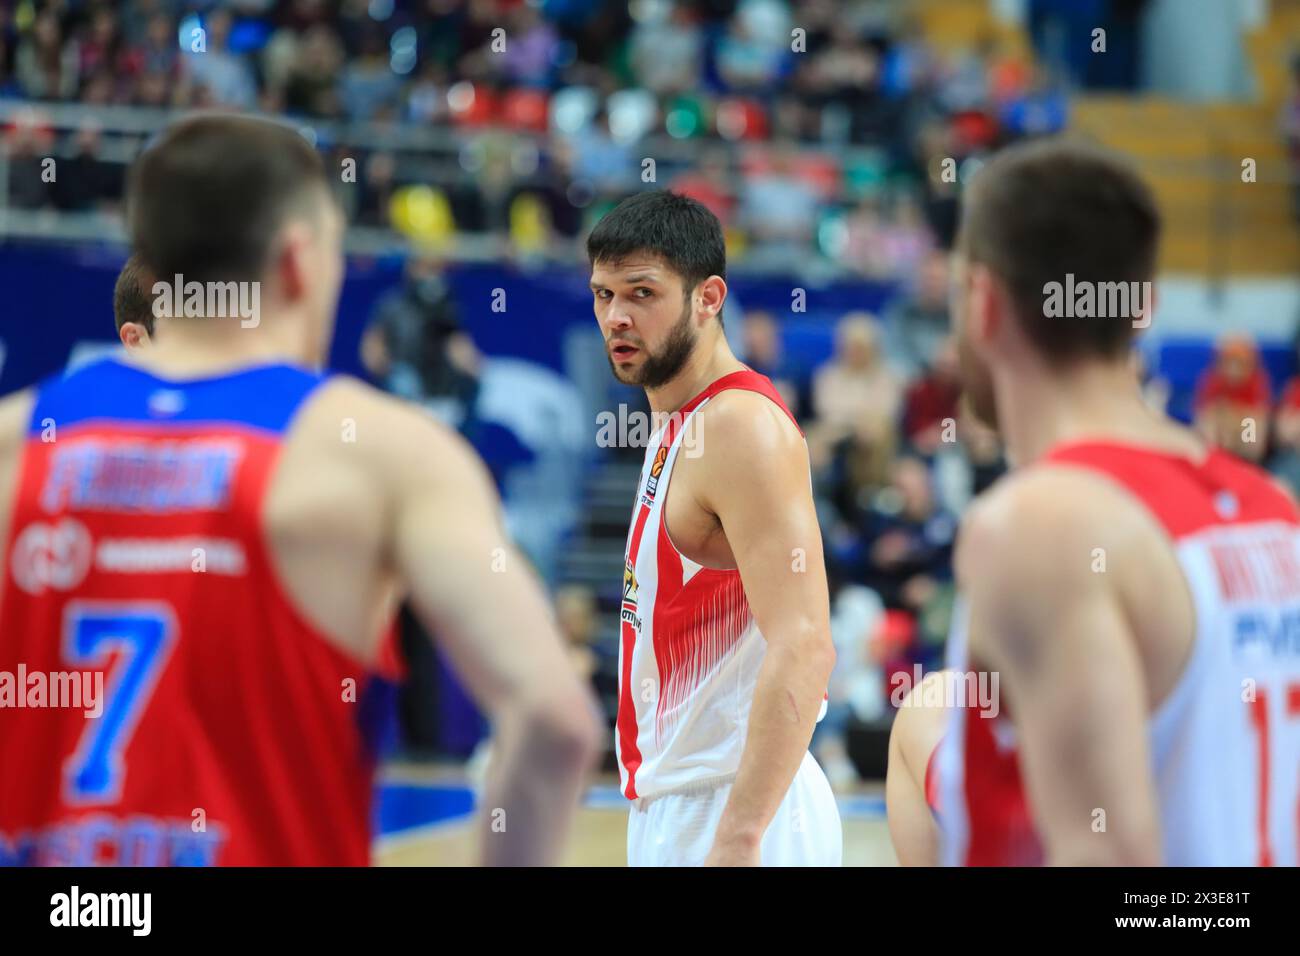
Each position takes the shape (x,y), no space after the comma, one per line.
(479,597)
(753,476)
(15,414)
(1069,665)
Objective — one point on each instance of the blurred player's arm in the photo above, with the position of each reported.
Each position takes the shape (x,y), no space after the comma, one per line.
(15,415)
(917,730)
(472,589)
(1054,629)
(755,480)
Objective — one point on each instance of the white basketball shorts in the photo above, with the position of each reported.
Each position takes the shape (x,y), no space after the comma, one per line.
(676,829)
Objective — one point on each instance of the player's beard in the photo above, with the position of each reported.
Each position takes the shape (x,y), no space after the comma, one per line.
(976,384)
(660,368)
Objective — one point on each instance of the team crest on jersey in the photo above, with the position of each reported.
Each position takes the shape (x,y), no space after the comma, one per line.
(54,556)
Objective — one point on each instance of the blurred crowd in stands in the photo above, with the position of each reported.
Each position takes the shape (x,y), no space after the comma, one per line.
(817,132)
(815,128)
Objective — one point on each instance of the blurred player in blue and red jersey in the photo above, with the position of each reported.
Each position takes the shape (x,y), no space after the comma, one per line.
(221,532)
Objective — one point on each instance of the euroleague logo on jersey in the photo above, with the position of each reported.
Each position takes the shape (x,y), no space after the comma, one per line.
(53,556)
(656,469)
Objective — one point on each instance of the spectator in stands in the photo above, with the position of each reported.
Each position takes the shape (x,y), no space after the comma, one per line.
(28,188)
(886,237)
(378,181)
(906,540)
(97,50)
(762,352)
(602,161)
(710,182)
(426,100)
(1233,399)
(855,399)
(530,55)
(779,207)
(917,321)
(754,49)
(414,344)
(311,85)
(666,49)
(930,407)
(220,76)
(369,88)
(157,53)
(85,181)
(46,68)
(575,612)
(864,238)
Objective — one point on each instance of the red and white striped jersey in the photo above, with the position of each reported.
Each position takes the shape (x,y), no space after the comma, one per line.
(690,651)
(1225,743)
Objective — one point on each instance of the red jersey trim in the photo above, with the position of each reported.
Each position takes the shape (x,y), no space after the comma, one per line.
(1185,496)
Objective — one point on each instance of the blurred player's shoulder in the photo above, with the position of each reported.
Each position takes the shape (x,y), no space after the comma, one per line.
(15,413)
(1033,513)
(349,423)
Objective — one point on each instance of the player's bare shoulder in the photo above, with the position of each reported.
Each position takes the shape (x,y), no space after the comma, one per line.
(1044,524)
(389,441)
(739,429)
(15,414)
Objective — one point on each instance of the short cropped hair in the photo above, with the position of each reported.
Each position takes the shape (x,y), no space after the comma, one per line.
(132,295)
(207,199)
(1053,207)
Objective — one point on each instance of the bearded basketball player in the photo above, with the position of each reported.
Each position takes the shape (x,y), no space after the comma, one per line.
(725,647)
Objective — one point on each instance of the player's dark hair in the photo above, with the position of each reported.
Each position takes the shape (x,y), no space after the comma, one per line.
(676,228)
(1055,206)
(132,295)
(207,200)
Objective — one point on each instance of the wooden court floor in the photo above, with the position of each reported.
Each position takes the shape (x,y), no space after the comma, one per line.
(599,833)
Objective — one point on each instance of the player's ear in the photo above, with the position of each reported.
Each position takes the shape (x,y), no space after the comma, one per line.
(988,301)
(133,336)
(710,294)
(291,263)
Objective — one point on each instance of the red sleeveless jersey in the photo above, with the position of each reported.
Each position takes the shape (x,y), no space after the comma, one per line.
(1225,743)
(162,701)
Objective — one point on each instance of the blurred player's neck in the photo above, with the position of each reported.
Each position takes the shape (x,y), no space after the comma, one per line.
(210,346)
(711,359)
(1040,407)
